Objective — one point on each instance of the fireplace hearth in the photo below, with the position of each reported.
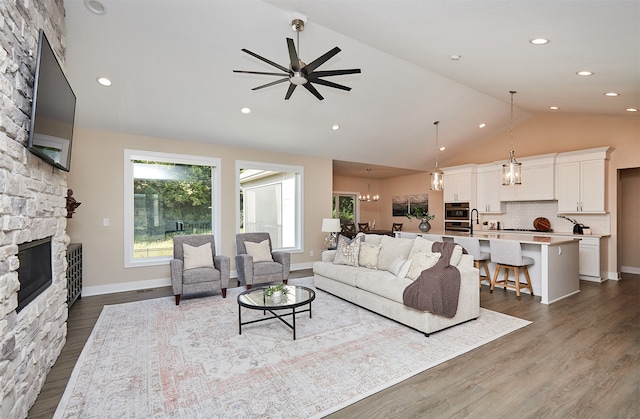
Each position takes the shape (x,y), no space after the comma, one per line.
(34,273)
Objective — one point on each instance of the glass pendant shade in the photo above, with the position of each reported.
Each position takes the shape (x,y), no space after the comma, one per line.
(512,171)
(437,176)
(437,180)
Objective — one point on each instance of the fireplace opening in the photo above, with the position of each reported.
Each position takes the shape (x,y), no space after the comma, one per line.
(34,273)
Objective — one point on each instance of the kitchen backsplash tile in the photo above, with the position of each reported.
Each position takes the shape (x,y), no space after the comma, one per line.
(522,214)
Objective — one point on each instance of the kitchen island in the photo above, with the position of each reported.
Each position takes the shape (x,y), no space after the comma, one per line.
(554,274)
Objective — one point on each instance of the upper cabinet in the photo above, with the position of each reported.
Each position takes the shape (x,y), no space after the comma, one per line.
(489,185)
(460,184)
(537,181)
(580,181)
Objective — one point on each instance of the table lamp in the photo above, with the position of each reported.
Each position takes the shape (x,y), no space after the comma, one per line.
(331,226)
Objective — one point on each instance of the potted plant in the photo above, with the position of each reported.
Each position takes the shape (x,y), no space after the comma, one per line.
(423,215)
(276,291)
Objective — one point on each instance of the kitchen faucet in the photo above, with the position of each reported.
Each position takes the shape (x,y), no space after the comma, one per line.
(471,220)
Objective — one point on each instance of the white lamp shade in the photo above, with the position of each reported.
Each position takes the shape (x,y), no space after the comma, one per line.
(331,225)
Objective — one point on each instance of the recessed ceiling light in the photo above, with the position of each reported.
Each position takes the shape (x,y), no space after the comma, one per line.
(335,127)
(632,110)
(584,73)
(482,125)
(455,57)
(612,94)
(443,148)
(95,6)
(104,81)
(539,41)
(245,110)
(553,108)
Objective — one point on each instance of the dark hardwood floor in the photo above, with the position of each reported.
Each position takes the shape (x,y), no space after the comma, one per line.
(579,358)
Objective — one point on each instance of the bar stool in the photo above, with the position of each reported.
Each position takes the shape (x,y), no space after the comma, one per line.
(507,254)
(480,258)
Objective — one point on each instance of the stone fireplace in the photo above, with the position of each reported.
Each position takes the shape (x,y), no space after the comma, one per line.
(32,208)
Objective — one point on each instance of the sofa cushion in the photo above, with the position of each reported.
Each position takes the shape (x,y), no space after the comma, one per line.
(347,251)
(420,261)
(368,257)
(422,244)
(197,257)
(393,248)
(375,239)
(340,273)
(400,267)
(382,283)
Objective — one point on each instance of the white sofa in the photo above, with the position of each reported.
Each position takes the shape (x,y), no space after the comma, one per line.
(377,289)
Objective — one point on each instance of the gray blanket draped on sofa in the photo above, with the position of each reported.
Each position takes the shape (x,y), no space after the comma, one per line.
(436,290)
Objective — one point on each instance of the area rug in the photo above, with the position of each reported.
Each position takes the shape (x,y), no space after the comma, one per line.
(153,359)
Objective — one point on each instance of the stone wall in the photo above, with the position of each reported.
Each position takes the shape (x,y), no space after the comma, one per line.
(32,206)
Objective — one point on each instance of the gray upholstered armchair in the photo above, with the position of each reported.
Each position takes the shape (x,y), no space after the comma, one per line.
(195,267)
(266,266)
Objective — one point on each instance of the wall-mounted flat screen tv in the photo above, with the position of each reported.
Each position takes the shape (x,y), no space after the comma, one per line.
(53,109)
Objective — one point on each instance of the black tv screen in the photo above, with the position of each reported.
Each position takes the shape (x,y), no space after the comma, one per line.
(53,109)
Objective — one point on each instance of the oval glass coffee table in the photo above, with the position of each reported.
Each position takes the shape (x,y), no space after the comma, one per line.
(255,299)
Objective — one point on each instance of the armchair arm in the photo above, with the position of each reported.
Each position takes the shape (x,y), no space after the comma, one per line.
(329,255)
(244,267)
(284,259)
(176,275)
(223,264)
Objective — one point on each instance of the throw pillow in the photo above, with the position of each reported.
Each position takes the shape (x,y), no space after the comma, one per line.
(393,248)
(261,252)
(197,257)
(420,261)
(368,257)
(347,251)
(421,244)
(456,255)
(400,267)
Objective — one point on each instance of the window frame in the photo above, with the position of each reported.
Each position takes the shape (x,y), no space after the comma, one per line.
(299,211)
(129,157)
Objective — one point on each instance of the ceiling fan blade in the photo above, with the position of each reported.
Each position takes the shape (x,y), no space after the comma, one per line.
(271,84)
(313,90)
(328,73)
(330,84)
(321,60)
(261,72)
(293,55)
(292,87)
(278,66)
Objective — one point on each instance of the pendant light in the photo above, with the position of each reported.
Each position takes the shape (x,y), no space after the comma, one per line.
(511,170)
(437,176)
(368,197)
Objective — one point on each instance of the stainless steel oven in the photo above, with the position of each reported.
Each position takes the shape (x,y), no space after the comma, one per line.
(456,211)
(456,225)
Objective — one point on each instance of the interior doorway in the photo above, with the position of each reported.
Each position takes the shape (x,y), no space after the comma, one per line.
(629,220)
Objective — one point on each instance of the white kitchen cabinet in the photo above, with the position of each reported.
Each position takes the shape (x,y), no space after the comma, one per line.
(580,181)
(460,184)
(589,259)
(538,181)
(489,185)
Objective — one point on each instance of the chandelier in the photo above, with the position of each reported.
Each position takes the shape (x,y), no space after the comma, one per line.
(437,176)
(369,197)
(511,170)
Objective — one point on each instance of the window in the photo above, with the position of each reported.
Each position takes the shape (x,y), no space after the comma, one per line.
(346,206)
(165,195)
(270,200)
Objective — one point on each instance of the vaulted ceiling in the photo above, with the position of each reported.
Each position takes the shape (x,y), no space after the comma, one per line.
(171,63)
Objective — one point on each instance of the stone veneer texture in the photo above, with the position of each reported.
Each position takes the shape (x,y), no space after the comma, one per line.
(32,206)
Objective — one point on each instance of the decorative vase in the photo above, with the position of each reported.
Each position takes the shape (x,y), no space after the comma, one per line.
(424,226)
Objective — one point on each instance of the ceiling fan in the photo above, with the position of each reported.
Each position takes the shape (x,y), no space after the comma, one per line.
(298,72)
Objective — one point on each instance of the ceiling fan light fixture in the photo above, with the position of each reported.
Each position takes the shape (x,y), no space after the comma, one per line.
(298,78)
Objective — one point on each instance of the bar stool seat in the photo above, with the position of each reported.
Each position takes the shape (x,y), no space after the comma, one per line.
(507,255)
(480,258)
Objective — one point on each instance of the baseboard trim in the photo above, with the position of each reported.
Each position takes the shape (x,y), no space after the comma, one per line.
(88,291)
(630,270)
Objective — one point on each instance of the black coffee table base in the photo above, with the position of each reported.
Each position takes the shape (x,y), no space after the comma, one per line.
(280,317)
